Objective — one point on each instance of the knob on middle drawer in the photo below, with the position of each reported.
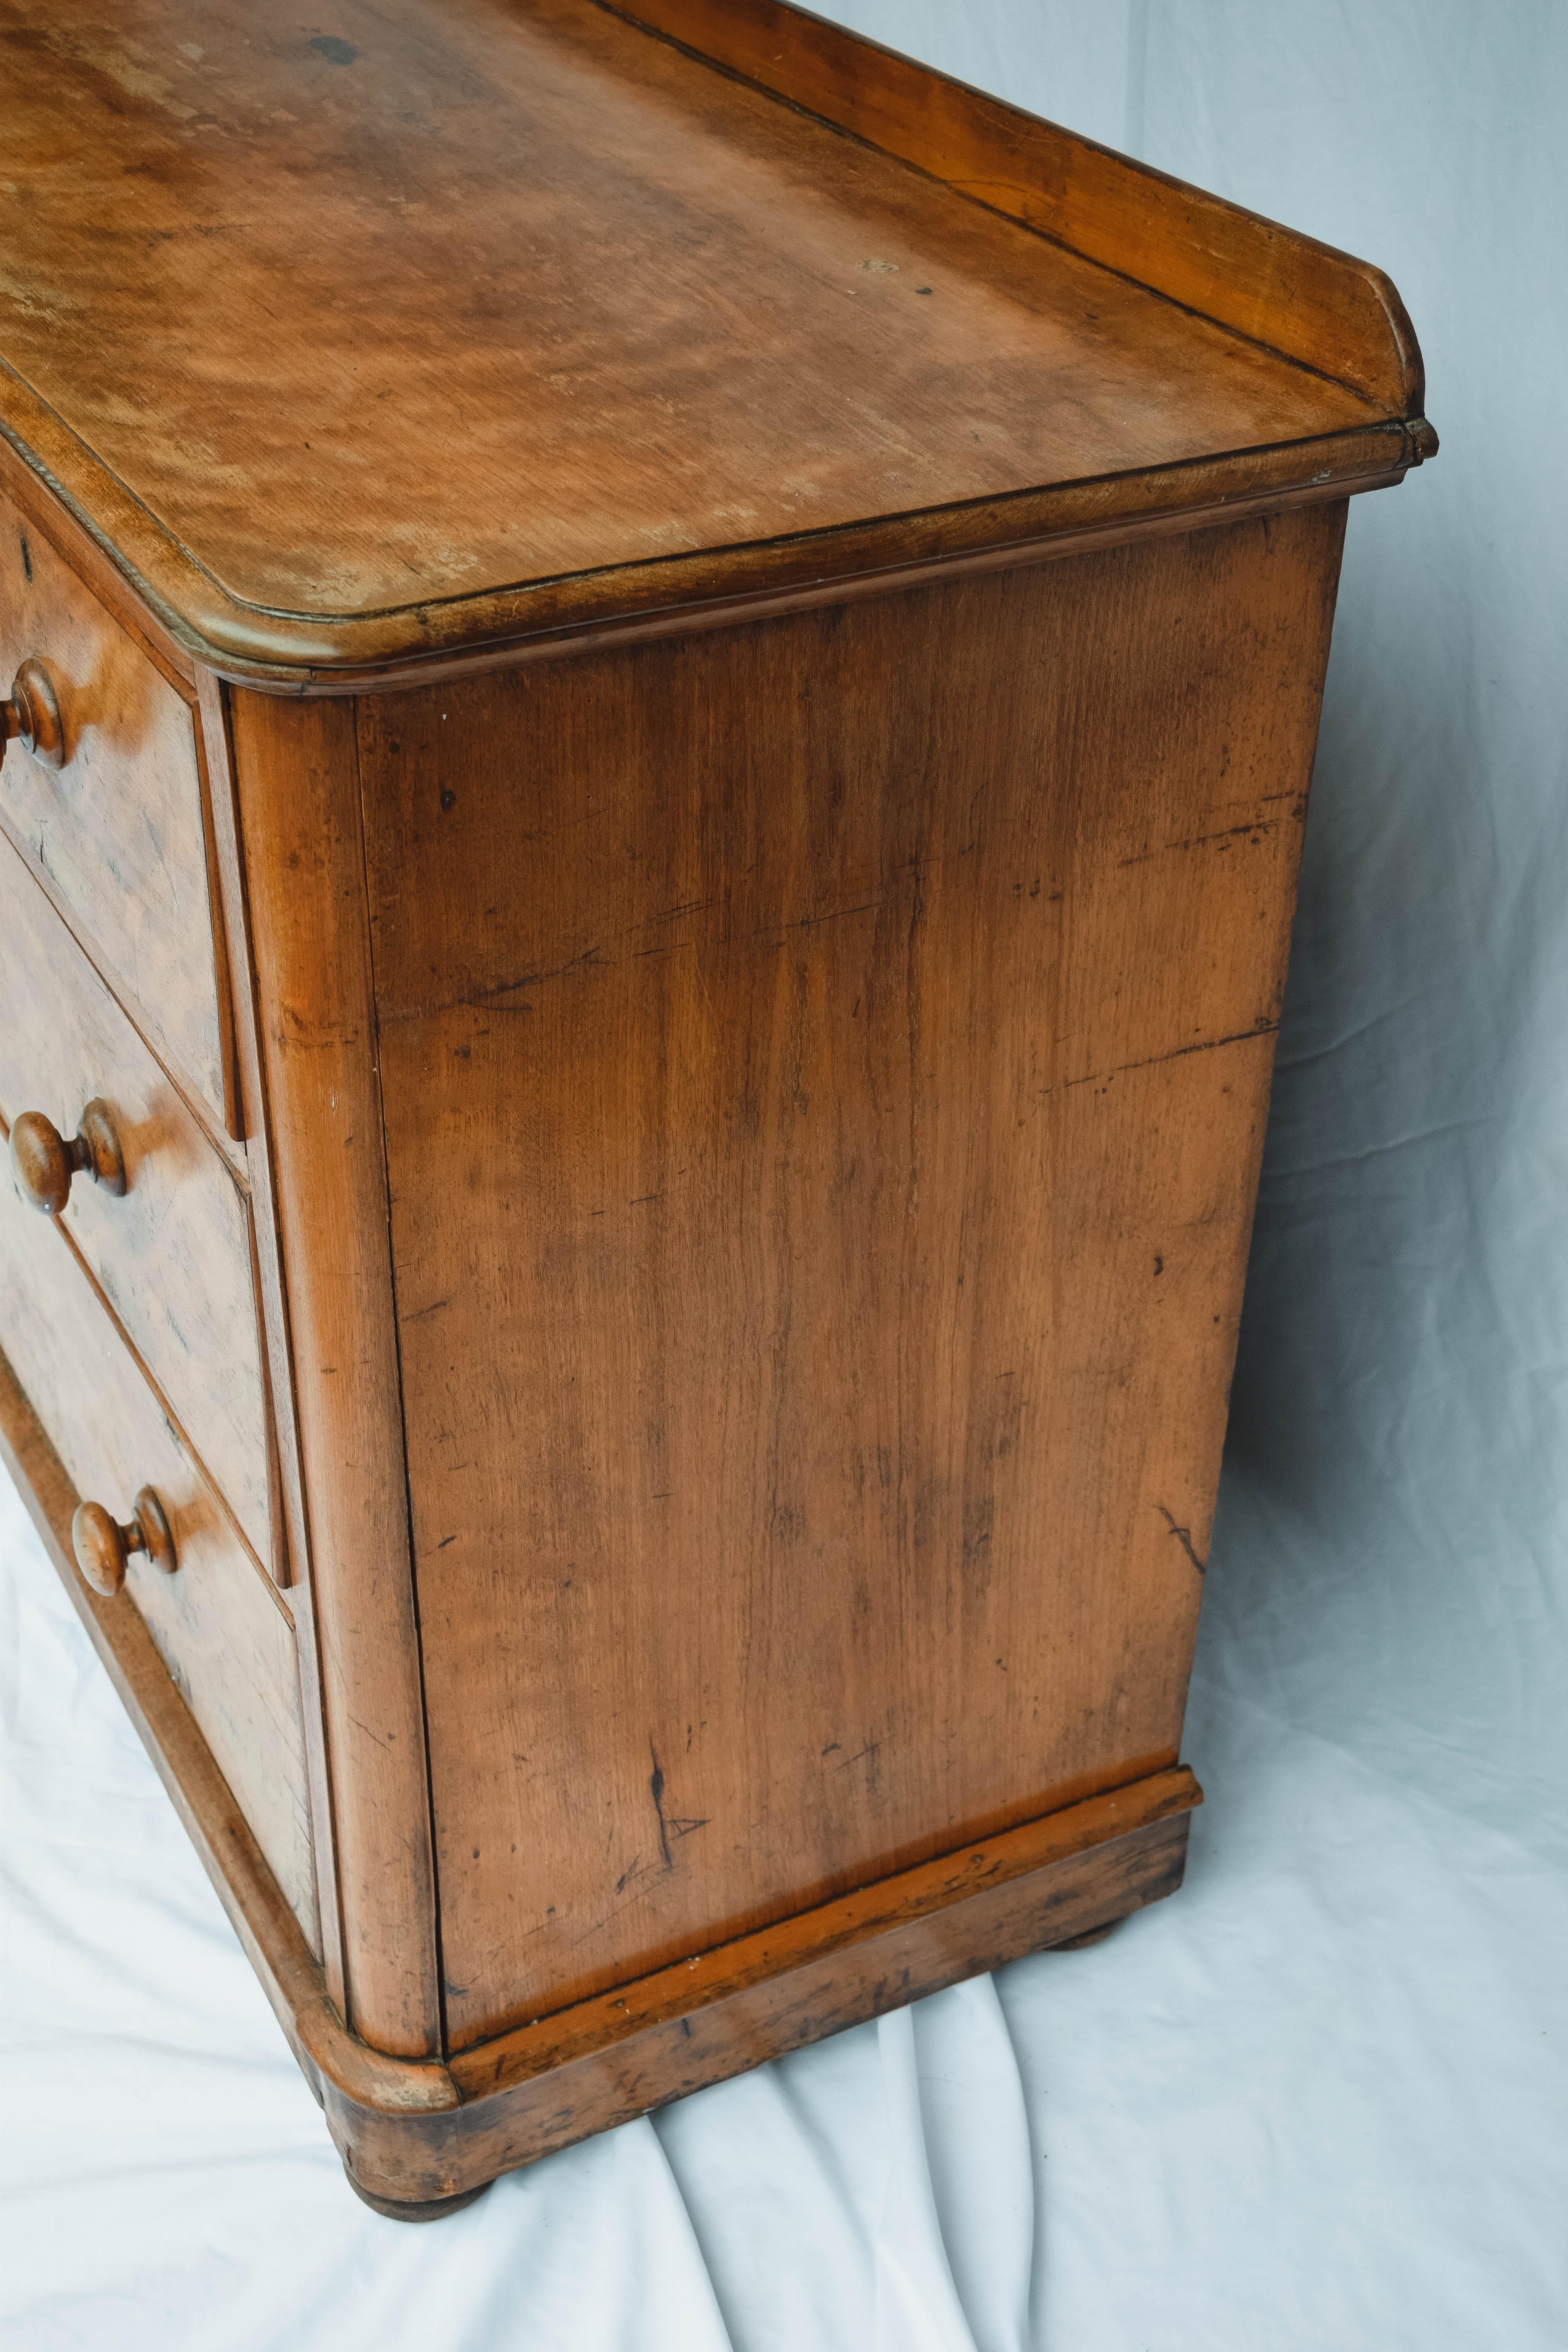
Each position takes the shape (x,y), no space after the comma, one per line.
(103,1547)
(44,1163)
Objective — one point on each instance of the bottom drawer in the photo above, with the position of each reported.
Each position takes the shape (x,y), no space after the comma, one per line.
(219,1629)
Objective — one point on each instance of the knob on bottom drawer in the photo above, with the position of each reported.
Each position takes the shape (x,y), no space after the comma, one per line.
(103,1548)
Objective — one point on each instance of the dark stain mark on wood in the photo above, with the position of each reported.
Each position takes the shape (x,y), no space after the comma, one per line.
(656,1784)
(336,52)
(1183,1537)
(994,1437)
(26,559)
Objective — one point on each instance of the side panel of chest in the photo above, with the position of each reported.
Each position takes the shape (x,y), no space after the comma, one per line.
(824,1067)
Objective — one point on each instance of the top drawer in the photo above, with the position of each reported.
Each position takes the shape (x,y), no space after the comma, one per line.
(116,832)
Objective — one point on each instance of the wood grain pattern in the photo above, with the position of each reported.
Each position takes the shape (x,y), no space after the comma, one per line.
(291,1550)
(824,1067)
(117,833)
(173,1254)
(221,1632)
(300,841)
(1286,291)
(728,324)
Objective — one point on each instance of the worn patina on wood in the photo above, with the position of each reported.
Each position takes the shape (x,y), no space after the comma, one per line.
(687,660)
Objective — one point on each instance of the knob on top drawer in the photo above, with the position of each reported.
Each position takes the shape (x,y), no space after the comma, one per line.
(100,786)
(32,715)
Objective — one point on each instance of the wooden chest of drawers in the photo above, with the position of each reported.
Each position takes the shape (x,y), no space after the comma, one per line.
(667,676)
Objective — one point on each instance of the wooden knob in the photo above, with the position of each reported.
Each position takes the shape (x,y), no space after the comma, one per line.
(43,1162)
(33,716)
(102,1546)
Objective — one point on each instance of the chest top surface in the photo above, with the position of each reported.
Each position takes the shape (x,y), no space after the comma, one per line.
(336,335)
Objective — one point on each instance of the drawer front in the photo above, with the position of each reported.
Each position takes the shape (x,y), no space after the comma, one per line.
(219,1627)
(173,1252)
(117,830)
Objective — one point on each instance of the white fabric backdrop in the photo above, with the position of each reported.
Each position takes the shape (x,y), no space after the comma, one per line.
(1319,2100)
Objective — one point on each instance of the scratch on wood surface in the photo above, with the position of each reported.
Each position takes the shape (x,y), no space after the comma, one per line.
(1204,840)
(1206,1045)
(383,1740)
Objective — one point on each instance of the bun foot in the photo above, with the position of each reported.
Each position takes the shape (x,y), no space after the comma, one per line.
(1082,1943)
(399,2209)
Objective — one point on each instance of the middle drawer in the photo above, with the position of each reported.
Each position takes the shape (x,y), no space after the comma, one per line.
(174,1252)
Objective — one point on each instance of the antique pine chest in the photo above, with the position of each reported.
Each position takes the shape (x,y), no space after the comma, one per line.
(666,673)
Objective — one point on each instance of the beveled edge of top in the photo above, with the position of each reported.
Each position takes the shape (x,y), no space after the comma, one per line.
(1320,310)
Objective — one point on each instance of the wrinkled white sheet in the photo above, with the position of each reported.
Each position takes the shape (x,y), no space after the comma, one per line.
(1318,2102)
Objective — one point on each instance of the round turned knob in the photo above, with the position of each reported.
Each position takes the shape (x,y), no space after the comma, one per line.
(33,716)
(102,1546)
(43,1162)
